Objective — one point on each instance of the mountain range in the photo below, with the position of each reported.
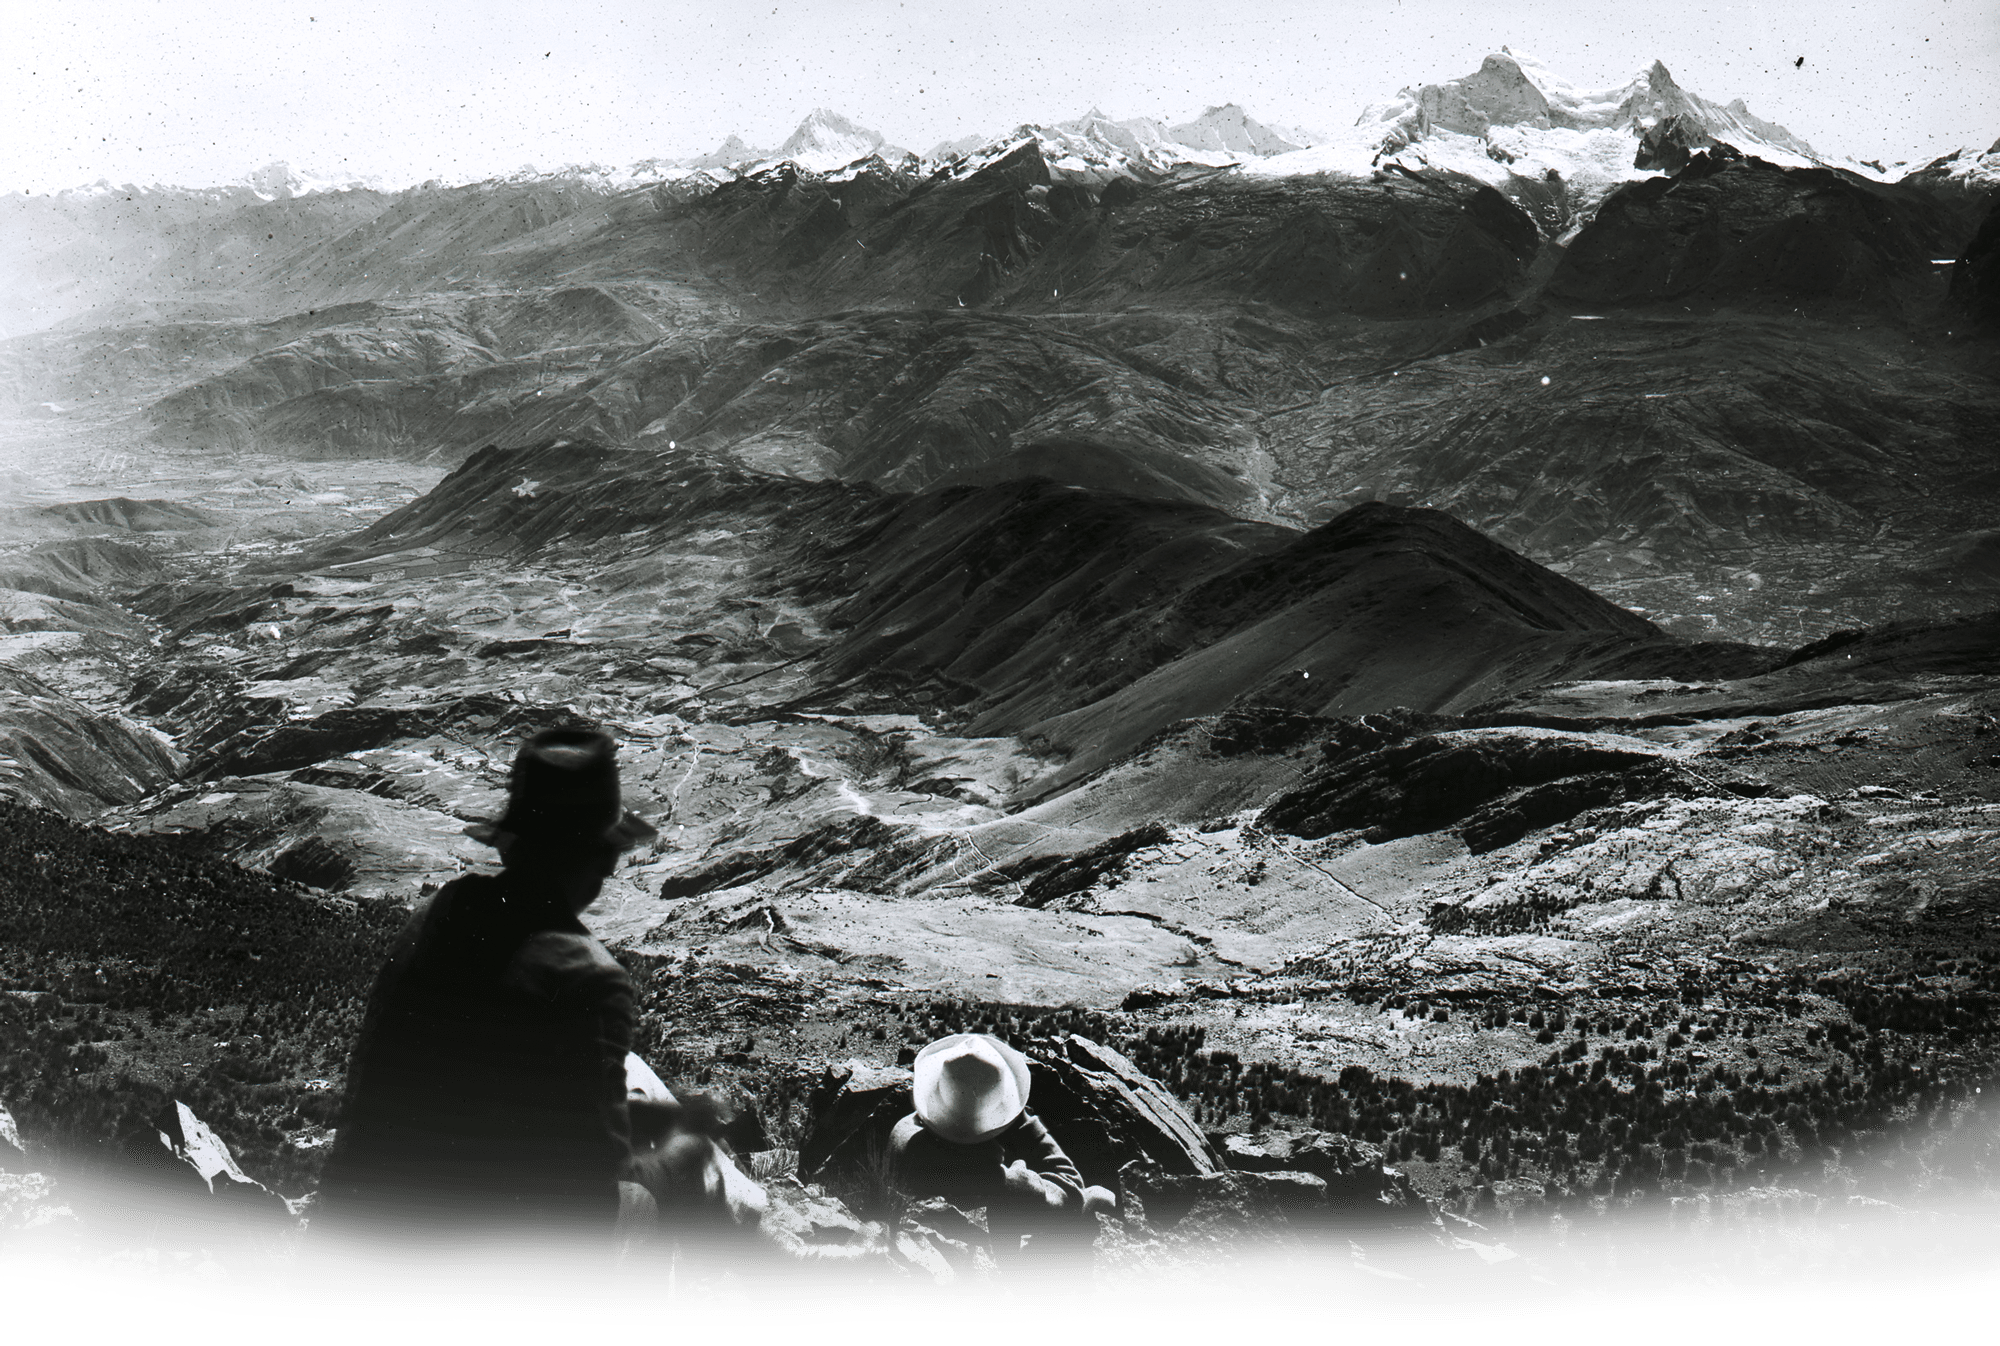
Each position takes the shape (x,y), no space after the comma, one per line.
(1512,124)
(1492,594)
(1509,105)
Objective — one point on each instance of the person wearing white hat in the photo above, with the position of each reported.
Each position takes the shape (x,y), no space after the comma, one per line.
(972,1141)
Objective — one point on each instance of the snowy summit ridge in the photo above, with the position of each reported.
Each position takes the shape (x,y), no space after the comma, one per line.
(1513,118)
(1510,119)
(1229,129)
(826,141)
(1095,149)
(276,181)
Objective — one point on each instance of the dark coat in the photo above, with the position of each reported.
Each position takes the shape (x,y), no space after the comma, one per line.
(925,1164)
(487,1087)
(1020,1225)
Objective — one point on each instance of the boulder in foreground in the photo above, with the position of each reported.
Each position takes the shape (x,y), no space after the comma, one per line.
(179,1177)
(1107,1113)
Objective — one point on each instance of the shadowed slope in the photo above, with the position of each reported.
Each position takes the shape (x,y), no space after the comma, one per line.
(910,399)
(1087,618)
(1381,607)
(1728,228)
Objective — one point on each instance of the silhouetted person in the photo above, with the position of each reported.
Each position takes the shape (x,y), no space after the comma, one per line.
(486,1094)
(973,1142)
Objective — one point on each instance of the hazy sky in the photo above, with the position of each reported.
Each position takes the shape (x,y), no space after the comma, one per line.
(197,93)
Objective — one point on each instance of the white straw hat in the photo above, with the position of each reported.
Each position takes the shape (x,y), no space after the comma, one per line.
(969,1087)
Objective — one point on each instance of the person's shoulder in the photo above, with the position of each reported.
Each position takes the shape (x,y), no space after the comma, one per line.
(1029,1136)
(1026,1125)
(464,888)
(425,909)
(568,956)
(438,903)
(561,964)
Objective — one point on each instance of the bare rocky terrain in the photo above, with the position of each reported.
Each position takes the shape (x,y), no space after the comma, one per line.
(1507,701)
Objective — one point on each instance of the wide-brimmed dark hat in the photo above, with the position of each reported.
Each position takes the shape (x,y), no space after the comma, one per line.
(565,789)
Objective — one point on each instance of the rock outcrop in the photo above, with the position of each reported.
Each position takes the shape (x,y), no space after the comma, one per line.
(1107,1113)
(179,1177)
(1199,1233)
(853,1110)
(13,1155)
(1434,780)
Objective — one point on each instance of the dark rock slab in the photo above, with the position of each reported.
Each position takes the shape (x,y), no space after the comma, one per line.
(1107,1113)
(1432,781)
(854,1107)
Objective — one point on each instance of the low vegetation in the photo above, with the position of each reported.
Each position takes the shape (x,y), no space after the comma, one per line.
(136,971)
(1828,1085)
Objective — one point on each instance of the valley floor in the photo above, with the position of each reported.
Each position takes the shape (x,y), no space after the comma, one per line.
(1638,954)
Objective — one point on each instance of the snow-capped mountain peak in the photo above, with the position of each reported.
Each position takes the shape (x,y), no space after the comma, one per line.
(1514,120)
(1231,130)
(825,140)
(1967,169)
(1510,120)
(278,180)
(730,151)
(1094,148)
